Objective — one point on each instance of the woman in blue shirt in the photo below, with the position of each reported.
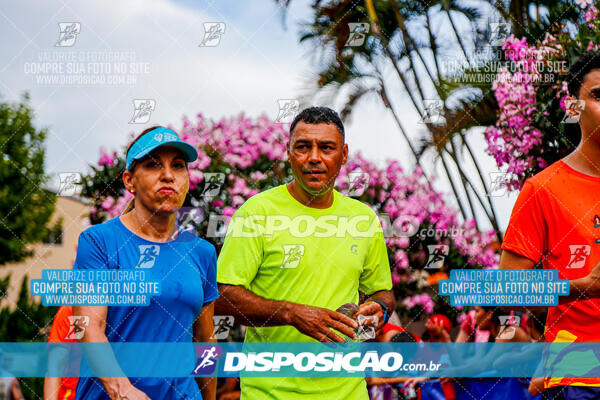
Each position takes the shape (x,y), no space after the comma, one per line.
(146,237)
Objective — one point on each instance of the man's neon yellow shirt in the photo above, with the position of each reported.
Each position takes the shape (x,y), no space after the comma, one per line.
(324,267)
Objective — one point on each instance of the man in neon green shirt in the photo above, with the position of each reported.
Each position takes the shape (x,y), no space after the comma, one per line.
(295,253)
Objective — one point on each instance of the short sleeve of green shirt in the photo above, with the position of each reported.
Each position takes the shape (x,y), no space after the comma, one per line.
(376,273)
(240,256)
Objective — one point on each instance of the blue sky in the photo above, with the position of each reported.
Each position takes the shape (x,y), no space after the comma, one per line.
(257,61)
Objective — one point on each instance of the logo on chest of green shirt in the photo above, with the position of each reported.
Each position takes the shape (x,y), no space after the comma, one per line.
(597,224)
(292,253)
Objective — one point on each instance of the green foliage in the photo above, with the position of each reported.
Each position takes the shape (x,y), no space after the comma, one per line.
(104,181)
(29,321)
(25,207)
(573,36)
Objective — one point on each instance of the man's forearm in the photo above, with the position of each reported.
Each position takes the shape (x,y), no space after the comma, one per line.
(251,309)
(208,386)
(100,359)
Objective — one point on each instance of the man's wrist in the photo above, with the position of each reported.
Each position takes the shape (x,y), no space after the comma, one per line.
(286,313)
(114,385)
(384,309)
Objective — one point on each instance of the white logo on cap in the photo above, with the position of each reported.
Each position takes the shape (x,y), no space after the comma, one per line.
(166,136)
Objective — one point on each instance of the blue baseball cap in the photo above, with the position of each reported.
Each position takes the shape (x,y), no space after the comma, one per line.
(156,138)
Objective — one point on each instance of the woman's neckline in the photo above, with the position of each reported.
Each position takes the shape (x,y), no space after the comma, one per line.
(129,231)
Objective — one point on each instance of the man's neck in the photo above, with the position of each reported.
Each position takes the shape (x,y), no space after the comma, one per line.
(585,158)
(324,200)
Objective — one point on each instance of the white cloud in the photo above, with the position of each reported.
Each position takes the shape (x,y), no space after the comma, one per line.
(238,75)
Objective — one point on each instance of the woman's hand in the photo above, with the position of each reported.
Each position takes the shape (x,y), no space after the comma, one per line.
(123,389)
(118,388)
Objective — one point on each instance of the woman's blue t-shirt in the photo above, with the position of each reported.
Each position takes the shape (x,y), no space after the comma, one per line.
(186,270)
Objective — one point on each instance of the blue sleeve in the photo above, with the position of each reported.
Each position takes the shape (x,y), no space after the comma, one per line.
(91,252)
(211,290)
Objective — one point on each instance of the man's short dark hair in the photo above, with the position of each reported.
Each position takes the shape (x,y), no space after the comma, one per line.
(580,68)
(319,115)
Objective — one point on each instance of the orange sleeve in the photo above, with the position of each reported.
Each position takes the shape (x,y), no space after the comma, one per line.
(527,230)
(60,325)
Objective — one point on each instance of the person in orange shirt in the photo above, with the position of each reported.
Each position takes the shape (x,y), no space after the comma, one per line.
(65,329)
(556,221)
